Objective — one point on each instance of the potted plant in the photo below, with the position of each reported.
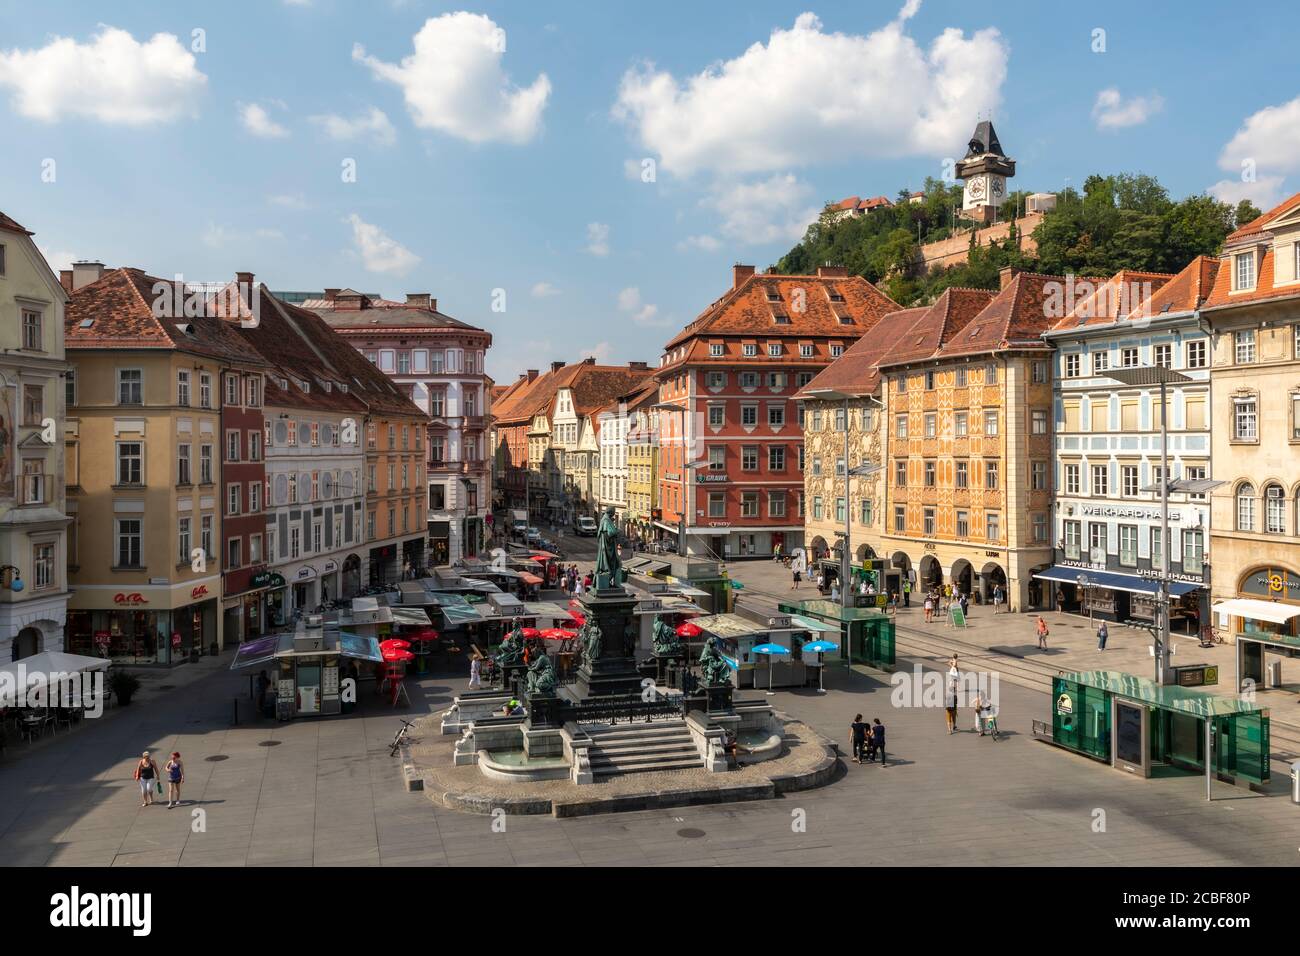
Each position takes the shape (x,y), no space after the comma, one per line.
(123,685)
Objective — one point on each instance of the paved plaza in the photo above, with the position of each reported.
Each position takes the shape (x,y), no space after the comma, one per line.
(325,792)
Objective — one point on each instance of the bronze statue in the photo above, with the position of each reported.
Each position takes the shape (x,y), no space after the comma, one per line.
(511,651)
(714,669)
(541,677)
(608,561)
(665,639)
(591,640)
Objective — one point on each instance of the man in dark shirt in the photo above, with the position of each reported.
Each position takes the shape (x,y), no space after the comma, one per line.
(878,740)
(859,731)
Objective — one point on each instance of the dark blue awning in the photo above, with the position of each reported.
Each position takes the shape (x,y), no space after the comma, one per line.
(1115,581)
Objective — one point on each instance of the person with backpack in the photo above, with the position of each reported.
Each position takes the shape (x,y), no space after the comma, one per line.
(146,774)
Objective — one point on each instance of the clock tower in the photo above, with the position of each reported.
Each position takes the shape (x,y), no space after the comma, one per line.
(985,170)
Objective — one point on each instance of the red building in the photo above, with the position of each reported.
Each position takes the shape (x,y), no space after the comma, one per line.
(244,576)
(736,482)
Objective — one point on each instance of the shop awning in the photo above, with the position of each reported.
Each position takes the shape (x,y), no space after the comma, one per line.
(458,614)
(407,616)
(730,625)
(529,578)
(1115,581)
(1269,611)
(259,651)
(808,624)
(39,669)
(362,648)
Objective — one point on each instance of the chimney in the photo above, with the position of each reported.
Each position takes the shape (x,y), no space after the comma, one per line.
(589,360)
(739,274)
(330,294)
(556,366)
(417,300)
(86,272)
(245,279)
(65,279)
(638,366)
(532,374)
(832,272)
(349,303)
(1005,275)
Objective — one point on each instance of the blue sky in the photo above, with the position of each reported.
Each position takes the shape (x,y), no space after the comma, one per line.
(516,164)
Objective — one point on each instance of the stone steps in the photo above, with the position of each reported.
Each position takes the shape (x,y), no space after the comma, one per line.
(641,748)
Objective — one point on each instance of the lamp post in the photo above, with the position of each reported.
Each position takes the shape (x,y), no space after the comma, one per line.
(14,583)
(1084,581)
(1163,377)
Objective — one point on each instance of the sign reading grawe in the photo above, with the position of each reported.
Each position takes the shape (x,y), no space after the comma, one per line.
(135,597)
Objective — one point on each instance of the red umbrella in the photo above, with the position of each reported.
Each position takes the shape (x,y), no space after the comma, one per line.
(540,558)
(427,635)
(530,632)
(558,634)
(396,654)
(578,617)
(395,642)
(689,629)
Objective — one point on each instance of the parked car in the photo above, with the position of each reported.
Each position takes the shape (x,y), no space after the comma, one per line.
(532,535)
(585,526)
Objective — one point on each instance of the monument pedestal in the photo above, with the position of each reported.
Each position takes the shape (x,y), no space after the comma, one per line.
(614,671)
(543,712)
(514,678)
(665,673)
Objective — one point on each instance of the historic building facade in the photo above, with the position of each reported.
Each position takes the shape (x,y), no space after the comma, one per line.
(1108,525)
(729,458)
(438,362)
(33,517)
(968,406)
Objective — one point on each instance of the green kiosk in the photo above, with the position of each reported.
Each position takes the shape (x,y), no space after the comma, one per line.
(866,635)
(1154,730)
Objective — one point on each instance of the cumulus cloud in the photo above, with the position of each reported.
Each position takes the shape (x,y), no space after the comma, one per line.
(259,122)
(112,78)
(454,81)
(638,310)
(544,290)
(807,96)
(378,251)
(372,125)
(1112,111)
(777,208)
(1262,153)
(598,238)
(289,201)
(601,352)
(700,243)
(217,235)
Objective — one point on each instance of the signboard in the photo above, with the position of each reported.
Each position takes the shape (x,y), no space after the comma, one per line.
(267,579)
(1272,582)
(780,623)
(1064,705)
(199,592)
(704,479)
(132,599)
(957,615)
(102,638)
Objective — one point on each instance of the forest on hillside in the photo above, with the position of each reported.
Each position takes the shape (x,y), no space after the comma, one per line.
(1120,221)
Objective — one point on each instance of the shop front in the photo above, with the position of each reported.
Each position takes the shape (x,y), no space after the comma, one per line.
(383,565)
(1112,596)
(1263,620)
(147,624)
(413,558)
(439,543)
(329,581)
(313,671)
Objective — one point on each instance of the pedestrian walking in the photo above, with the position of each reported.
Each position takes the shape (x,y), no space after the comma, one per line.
(950,706)
(1041,628)
(776,551)
(878,740)
(978,704)
(476,670)
(858,731)
(146,774)
(929,609)
(175,777)
(796,577)
(907,592)
(892,605)
(964,601)
(1102,634)
(997,598)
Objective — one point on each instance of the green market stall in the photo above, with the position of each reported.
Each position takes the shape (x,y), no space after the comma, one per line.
(1153,730)
(866,635)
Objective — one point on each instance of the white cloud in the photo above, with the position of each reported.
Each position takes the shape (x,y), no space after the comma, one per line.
(258,122)
(112,78)
(58,259)
(702,243)
(601,352)
(598,238)
(217,235)
(1261,154)
(544,290)
(808,96)
(640,312)
(372,125)
(454,81)
(1112,111)
(289,201)
(379,252)
(775,209)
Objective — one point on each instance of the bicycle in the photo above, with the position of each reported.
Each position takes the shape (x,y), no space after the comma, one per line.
(989,723)
(403,733)
(1210,636)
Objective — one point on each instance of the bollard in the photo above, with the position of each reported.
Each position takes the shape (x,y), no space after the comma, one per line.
(234,717)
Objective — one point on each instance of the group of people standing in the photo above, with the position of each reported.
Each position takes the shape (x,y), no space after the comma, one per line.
(149,777)
(573,582)
(984,708)
(868,740)
(939,600)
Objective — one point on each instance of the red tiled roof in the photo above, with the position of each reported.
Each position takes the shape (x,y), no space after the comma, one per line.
(11,226)
(1016,318)
(855,372)
(1104,301)
(117,312)
(748,310)
(1186,291)
(593,386)
(937,325)
(383,314)
(1257,225)
(1221,293)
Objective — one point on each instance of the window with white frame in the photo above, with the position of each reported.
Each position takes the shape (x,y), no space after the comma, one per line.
(130,463)
(129,533)
(1246,507)
(184,539)
(717,504)
(1100,481)
(1128,357)
(183,387)
(1071,365)
(205,390)
(33,481)
(963,524)
(1128,545)
(992,526)
(776,504)
(1038,421)
(1243,273)
(32,330)
(1071,482)
(1193,550)
(1245,419)
(1244,346)
(1274,510)
(1128,476)
(1071,538)
(749,504)
(130,386)
(43,566)
(749,350)
(991,475)
(1197,355)
(1100,361)
(717,350)
(1163,355)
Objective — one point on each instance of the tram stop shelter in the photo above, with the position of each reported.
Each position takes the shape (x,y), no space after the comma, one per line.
(866,635)
(1156,730)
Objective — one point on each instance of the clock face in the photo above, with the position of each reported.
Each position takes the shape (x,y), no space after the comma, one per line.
(975,188)
(998,185)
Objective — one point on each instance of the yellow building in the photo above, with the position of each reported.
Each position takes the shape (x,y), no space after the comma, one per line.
(855,378)
(968,411)
(144,448)
(1253,312)
(642,460)
(33,522)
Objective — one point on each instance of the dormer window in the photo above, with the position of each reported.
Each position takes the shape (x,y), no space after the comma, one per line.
(773,296)
(717,350)
(774,349)
(780,318)
(751,350)
(1244,270)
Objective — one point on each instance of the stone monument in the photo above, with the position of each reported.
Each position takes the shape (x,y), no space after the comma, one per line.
(608,667)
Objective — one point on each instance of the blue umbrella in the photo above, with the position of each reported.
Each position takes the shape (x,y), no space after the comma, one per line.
(770,649)
(820,647)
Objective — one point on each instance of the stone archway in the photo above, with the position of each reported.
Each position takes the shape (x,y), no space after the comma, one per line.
(865,553)
(929,574)
(28,643)
(962,576)
(990,576)
(818,548)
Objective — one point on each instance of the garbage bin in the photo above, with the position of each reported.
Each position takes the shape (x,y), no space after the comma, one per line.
(1274,674)
(1295,782)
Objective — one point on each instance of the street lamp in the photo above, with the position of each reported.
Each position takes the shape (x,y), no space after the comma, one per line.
(1083,581)
(863,470)
(1147,376)
(14,583)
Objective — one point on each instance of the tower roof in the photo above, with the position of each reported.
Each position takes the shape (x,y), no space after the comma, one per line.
(984,141)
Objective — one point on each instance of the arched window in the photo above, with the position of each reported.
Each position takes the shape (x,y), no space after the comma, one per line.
(1274,510)
(1246,507)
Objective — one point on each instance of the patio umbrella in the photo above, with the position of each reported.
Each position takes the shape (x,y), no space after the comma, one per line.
(528,632)
(821,647)
(770,650)
(395,643)
(396,654)
(426,636)
(558,634)
(689,629)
